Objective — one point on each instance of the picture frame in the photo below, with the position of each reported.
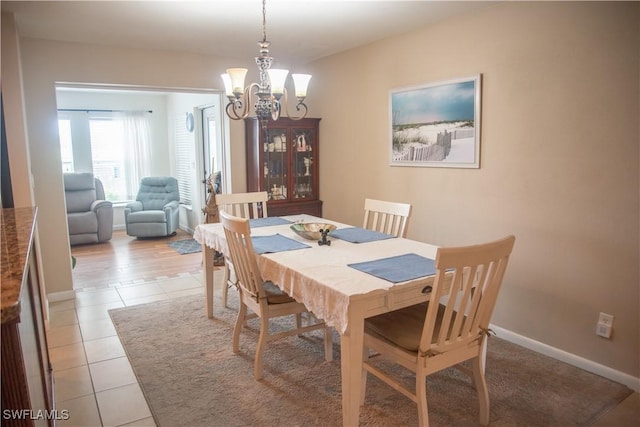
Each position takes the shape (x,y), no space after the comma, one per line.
(436,124)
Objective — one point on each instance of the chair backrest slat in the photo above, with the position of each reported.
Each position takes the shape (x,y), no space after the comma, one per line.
(467,283)
(386,217)
(244,205)
(238,234)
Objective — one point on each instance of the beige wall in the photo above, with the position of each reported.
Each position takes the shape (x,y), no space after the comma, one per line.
(559,159)
(559,165)
(13,108)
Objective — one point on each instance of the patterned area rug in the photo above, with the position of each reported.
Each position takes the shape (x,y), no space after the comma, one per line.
(186,246)
(190,377)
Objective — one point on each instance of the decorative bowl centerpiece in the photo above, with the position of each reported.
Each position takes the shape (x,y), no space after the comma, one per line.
(312,230)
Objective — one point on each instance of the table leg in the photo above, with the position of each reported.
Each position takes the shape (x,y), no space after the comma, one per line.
(351,344)
(208,256)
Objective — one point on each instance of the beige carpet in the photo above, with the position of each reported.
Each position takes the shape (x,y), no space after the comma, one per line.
(190,377)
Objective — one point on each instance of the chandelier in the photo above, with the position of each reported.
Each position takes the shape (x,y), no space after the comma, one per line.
(269,95)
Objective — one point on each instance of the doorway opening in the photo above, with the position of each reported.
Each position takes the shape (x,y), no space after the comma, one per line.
(188,139)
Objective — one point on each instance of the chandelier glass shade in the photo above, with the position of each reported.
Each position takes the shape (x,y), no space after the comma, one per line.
(269,96)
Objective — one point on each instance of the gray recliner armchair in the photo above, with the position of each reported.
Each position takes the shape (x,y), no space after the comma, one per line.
(89,215)
(155,211)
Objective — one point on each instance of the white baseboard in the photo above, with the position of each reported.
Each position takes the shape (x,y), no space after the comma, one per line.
(187,229)
(61,296)
(577,361)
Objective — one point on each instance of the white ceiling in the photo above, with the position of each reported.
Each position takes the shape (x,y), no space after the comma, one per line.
(299,30)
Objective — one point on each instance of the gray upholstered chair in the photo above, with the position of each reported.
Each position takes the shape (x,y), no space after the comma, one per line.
(155,211)
(89,215)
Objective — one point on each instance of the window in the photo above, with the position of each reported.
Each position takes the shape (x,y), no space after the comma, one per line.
(66,149)
(115,147)
(185,160)
(107,153)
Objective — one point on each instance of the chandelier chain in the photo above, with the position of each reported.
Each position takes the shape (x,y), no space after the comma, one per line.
(264,20)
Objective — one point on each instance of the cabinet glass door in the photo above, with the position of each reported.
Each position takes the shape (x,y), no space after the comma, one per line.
(275,164)
(303,163)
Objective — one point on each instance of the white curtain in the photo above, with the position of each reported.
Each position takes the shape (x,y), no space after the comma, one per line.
(137,138)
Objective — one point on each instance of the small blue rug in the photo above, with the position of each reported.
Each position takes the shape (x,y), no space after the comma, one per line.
(186,246)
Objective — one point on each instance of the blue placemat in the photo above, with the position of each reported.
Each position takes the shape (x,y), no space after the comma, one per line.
(359,235)
(398,268)
(267,221)
(275,243)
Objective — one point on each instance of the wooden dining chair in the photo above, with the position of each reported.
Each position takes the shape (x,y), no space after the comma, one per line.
(450,328)
(242,205)
(263,297)
(386,217)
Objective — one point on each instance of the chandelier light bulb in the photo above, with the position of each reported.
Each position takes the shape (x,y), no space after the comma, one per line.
(228,87)
(237,79)
(277,77)
(301,82)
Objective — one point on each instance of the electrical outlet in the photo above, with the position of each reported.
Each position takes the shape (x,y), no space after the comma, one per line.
(605,319)
(604,328)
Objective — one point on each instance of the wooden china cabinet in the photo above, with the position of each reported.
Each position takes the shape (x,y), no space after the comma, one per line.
(282,159)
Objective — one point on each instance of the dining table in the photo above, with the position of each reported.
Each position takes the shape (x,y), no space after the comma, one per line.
(360,274)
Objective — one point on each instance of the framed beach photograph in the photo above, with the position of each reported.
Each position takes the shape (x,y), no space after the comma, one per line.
(437,124)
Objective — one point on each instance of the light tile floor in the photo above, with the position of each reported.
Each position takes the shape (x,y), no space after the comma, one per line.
(93,378)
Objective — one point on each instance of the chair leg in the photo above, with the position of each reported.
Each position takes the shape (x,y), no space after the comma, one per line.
(262,341)
(328,344)
(363,375)
(298,321)
(225,285)
(421,400)
(481,387)
(240,321)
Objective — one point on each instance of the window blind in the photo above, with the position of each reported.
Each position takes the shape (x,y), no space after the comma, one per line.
(185,159)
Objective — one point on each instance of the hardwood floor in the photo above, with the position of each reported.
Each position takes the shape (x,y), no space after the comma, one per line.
(126,260)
